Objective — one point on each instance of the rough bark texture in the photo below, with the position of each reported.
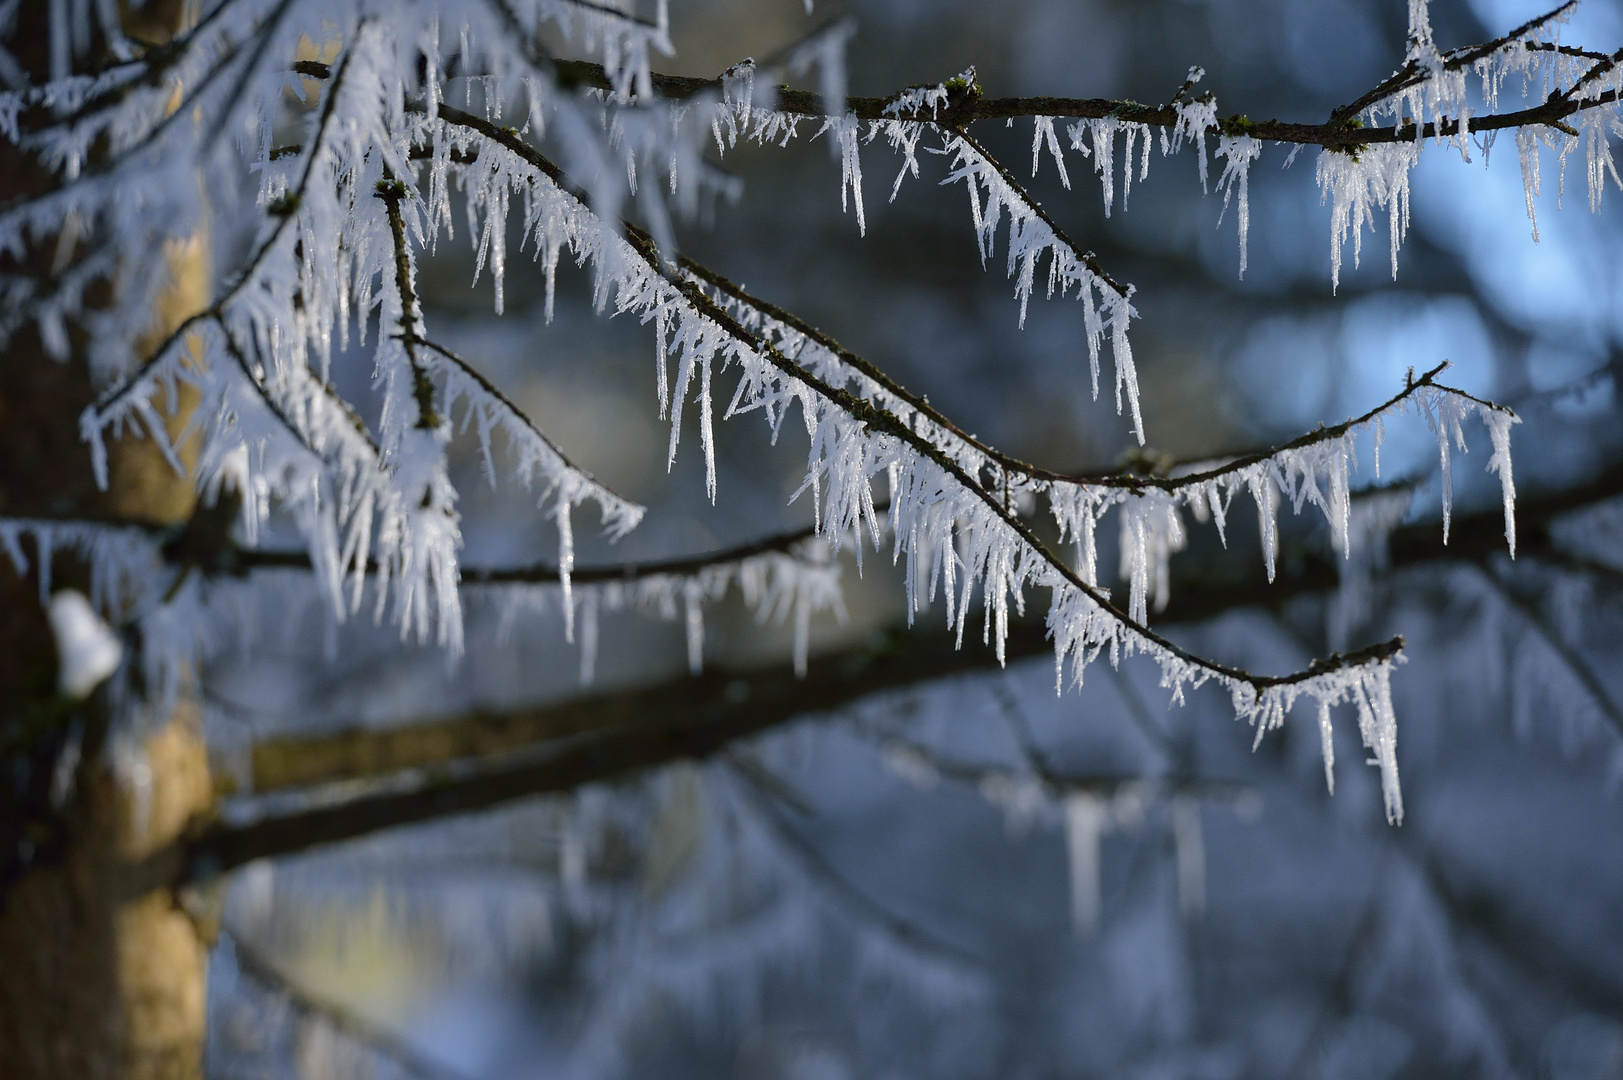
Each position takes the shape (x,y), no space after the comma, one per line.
(94,984)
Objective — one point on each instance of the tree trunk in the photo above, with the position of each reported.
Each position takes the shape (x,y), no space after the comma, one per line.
(94,984)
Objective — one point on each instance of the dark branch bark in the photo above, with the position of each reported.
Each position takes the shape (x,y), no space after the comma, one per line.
(966,104)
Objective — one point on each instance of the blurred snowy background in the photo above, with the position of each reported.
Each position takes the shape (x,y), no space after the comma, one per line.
(888,892)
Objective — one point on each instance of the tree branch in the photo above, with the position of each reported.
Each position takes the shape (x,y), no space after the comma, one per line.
(608,736)
(1566,654)
(877,419)
(391,191)
(966,103)
(288,208)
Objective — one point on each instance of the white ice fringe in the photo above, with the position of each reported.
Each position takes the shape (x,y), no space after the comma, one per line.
(1030,238)
(950,537)
(1354,185)
(124,561)
(1445,89)
(270,425)
(1238,153)
(781,587)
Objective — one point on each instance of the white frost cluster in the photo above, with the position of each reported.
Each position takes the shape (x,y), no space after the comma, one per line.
(271,425)
(87,650)
(1455,86)
(1031,238)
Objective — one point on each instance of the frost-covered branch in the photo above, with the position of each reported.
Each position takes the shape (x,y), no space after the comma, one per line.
(1364,164)
(713,318)
(1314,468)
(933,496)
(965,103)
(897,658)
(488,410)
(386,504)
(142,383)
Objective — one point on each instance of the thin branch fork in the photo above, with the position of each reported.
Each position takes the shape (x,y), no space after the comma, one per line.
(392,191)
(1087,258)
(414,340)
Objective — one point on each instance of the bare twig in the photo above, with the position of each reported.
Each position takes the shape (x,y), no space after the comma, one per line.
(1566,654)
(815,865)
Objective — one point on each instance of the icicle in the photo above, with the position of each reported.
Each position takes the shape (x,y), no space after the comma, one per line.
(1266,495)
(1238,152)
(1195,119)
(1044,133)
(1189,849)
(566,564)
(1086,819)
(707,434)
(1151,532)
(1420,42)
(845,130)
(1103,136)
(692,600)
(588,636)
(45,551)
(1527,143)
(1379,726)
(1499,423)
(1443,413)
(662,380)
(1327,746)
